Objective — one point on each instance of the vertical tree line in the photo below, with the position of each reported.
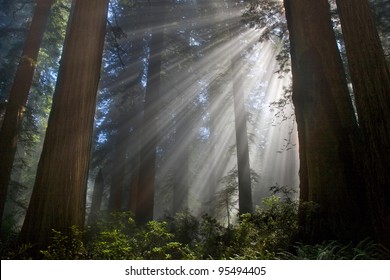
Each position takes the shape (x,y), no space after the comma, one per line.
(18,96)
(343,160)
(165,110)
(371,84)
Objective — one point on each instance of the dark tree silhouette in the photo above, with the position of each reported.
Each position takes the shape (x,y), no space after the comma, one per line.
(371,84)
(327,128)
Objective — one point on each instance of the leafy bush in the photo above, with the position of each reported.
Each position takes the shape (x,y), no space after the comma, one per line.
(112,245)
(268,233)
(185,227)
(66,246)
(213,239)
(13,251)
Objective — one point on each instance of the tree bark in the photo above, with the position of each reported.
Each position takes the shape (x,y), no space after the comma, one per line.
(371,83)
(18,96)
(96,197)
(59,194)
(181,162)
(240,114)
(327,128)
(119,165)
(240,120)
(149,133)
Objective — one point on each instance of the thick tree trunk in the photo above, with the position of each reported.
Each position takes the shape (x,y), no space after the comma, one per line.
(149,133)
(371,83)
(18,96)
(59,194)
(327,128)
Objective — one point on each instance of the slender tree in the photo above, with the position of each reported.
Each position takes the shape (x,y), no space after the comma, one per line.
(18,96)
(119,165)
(240,119)
(181,162)
(59,194)
(149,133)
(97,196)
(242,146)
(329,169)
(371,84)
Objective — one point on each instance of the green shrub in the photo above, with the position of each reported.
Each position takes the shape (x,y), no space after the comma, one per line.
(112,245)
(268,233)
(212,239)
(66,246)
(114,238)
(185,227)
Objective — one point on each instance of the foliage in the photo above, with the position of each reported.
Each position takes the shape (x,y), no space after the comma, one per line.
(36,111)
(227,198)
(212,243)
(66,246)
(269,233)
(268,16)
(366,249)
(128,241)
(111,238)
(15,252)
(185,227)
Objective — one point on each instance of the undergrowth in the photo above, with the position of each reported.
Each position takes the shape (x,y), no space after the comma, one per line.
(268,233)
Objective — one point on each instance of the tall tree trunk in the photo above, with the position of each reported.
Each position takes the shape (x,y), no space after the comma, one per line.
(214,175)
(240,114)
(327,127)
(181,164)
(119,165)
(134,155)
(133,187)
(59,194)
(240,118)
(149,133)
(96,197)
(18,96)
(371,83)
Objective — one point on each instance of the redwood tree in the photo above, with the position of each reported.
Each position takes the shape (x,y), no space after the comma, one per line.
(181,162)
(240,121)
(18,96)
(97,197)
(59,194)
(329,167)
(371,84)
(149,129)
(242,146)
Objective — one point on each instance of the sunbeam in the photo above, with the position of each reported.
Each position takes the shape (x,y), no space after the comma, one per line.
(194,112)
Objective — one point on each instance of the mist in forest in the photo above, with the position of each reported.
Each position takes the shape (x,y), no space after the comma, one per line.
(195,116)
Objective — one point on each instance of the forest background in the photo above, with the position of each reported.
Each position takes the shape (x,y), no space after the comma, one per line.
(222,129)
